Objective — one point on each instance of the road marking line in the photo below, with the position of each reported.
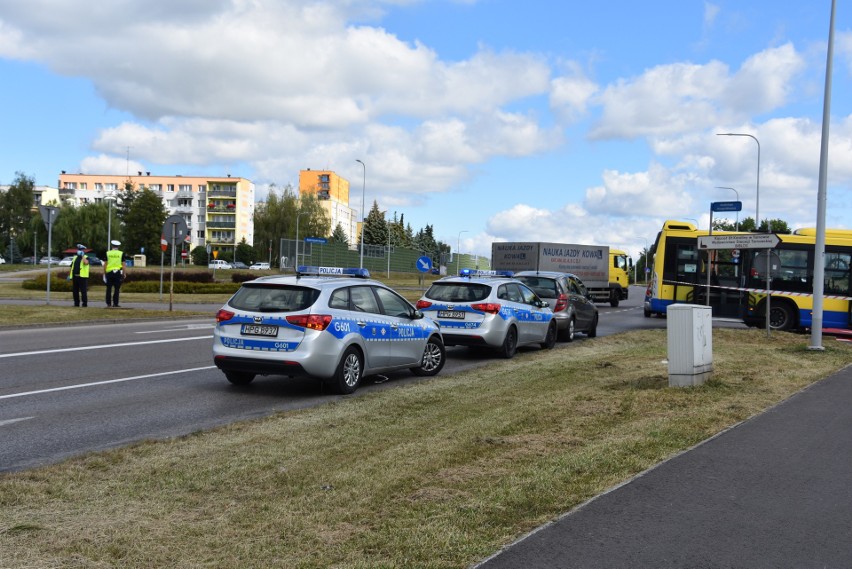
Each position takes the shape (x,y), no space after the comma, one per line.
(106,382)
(10,421)
(82,348)
(177,329)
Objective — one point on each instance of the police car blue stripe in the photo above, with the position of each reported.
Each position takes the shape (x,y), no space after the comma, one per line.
(259,345)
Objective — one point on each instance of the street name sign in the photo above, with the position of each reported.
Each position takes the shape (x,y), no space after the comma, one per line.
(319,240)
(744,241)
(726,206)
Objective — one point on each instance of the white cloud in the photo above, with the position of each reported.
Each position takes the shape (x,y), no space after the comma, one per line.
(683,97)
(570,94)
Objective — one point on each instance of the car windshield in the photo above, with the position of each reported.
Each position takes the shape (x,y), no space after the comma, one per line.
(458,292)
(273,298)
(544,287)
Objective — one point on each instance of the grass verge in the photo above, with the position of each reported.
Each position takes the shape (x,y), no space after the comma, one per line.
(22,315)
(438,474)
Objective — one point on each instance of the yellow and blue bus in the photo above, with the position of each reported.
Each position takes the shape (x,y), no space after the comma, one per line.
(738,278)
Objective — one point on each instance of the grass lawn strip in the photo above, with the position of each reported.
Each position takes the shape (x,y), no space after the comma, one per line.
(440,473)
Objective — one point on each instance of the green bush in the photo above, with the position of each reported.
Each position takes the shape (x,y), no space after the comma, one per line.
(59,283)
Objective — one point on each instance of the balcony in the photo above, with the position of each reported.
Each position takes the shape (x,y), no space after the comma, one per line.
(185,194)
(182,209)
(222,224)
(222,192)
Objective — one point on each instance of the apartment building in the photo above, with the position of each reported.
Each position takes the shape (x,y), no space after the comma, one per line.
(219,211)
(333,193)
(42,195)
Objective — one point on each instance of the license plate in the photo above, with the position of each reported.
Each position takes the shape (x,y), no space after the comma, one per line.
(259,330)
(454,314)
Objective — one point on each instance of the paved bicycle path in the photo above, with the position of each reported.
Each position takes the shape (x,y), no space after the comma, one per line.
(773,491)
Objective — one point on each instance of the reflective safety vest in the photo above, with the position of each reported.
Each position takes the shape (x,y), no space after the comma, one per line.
(82,268)
(113,260)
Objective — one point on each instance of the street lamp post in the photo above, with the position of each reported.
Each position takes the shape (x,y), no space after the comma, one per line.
(458,250)
(109,199)
(737,226)
(363,197)
(757,187)
(298,215)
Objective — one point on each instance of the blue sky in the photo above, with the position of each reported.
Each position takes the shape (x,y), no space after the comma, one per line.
(489,119)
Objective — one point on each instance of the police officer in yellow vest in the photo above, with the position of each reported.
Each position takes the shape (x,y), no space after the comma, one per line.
(114,273)
(80,277)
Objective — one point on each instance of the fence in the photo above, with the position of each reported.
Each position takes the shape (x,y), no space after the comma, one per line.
(377,258)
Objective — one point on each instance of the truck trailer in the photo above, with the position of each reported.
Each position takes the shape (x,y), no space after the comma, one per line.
(604,271)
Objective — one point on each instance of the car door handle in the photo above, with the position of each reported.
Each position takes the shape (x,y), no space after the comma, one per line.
(395,326)
(361,323)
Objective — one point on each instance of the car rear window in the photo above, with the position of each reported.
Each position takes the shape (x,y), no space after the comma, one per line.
(458,292)
(544,287)
(273,298)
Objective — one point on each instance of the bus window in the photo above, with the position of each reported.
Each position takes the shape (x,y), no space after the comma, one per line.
(837,273)
(788,269)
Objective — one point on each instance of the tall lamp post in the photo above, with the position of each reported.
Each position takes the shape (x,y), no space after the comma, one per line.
(458,250)
(757,187)
(297,237)
(109,199)
(363,196)
(737,226)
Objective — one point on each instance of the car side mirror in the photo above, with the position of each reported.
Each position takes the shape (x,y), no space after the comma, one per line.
(417,314)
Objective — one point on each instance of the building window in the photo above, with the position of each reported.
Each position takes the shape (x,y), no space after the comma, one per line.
(83,185)
(111,187)
(185,187)
(155,187)
(98,186)
(170,187)
(70,185)
(202,188)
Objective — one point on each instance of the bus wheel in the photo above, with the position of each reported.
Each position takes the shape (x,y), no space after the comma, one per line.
(781,316)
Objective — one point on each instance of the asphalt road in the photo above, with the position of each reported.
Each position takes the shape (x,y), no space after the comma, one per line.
(67,390)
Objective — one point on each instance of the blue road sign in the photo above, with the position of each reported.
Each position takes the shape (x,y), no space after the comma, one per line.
(320,240)
(726,206)
(424,264)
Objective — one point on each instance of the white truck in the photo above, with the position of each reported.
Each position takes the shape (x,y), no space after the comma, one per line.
(604,271)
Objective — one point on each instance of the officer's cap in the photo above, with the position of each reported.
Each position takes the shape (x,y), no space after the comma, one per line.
(115,243)
(81,247)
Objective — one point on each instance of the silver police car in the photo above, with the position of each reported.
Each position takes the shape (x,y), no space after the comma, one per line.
(573,308)
(326,322)
(489,309)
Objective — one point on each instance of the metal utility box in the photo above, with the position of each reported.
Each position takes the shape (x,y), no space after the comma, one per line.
(139,260)
(690,344)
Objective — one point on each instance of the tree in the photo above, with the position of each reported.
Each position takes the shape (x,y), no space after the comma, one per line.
(124,200)
(339,235)
(276,219)
(199,256)
(15,211)
(375,227)
(143,223)
(747,225)
(245,252)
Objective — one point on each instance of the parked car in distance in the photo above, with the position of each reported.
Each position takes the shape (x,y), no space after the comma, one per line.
(94,261)
(259,267)
(219,264)
(489,309)
(2,260)
(28,260)
(239,265)
(48,260)
(572,305)
(66,261)
(331,323)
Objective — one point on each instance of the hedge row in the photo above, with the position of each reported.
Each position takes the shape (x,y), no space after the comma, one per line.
(59,283)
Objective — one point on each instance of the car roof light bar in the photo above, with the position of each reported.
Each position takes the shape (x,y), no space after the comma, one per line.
(310,270)
(480,273)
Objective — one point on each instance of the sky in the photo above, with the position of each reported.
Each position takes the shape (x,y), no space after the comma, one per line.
(491,120)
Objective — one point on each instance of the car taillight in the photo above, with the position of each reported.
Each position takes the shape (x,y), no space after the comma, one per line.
(423,304)
(313,321)
(561,303)
(489,307)
(224,315)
